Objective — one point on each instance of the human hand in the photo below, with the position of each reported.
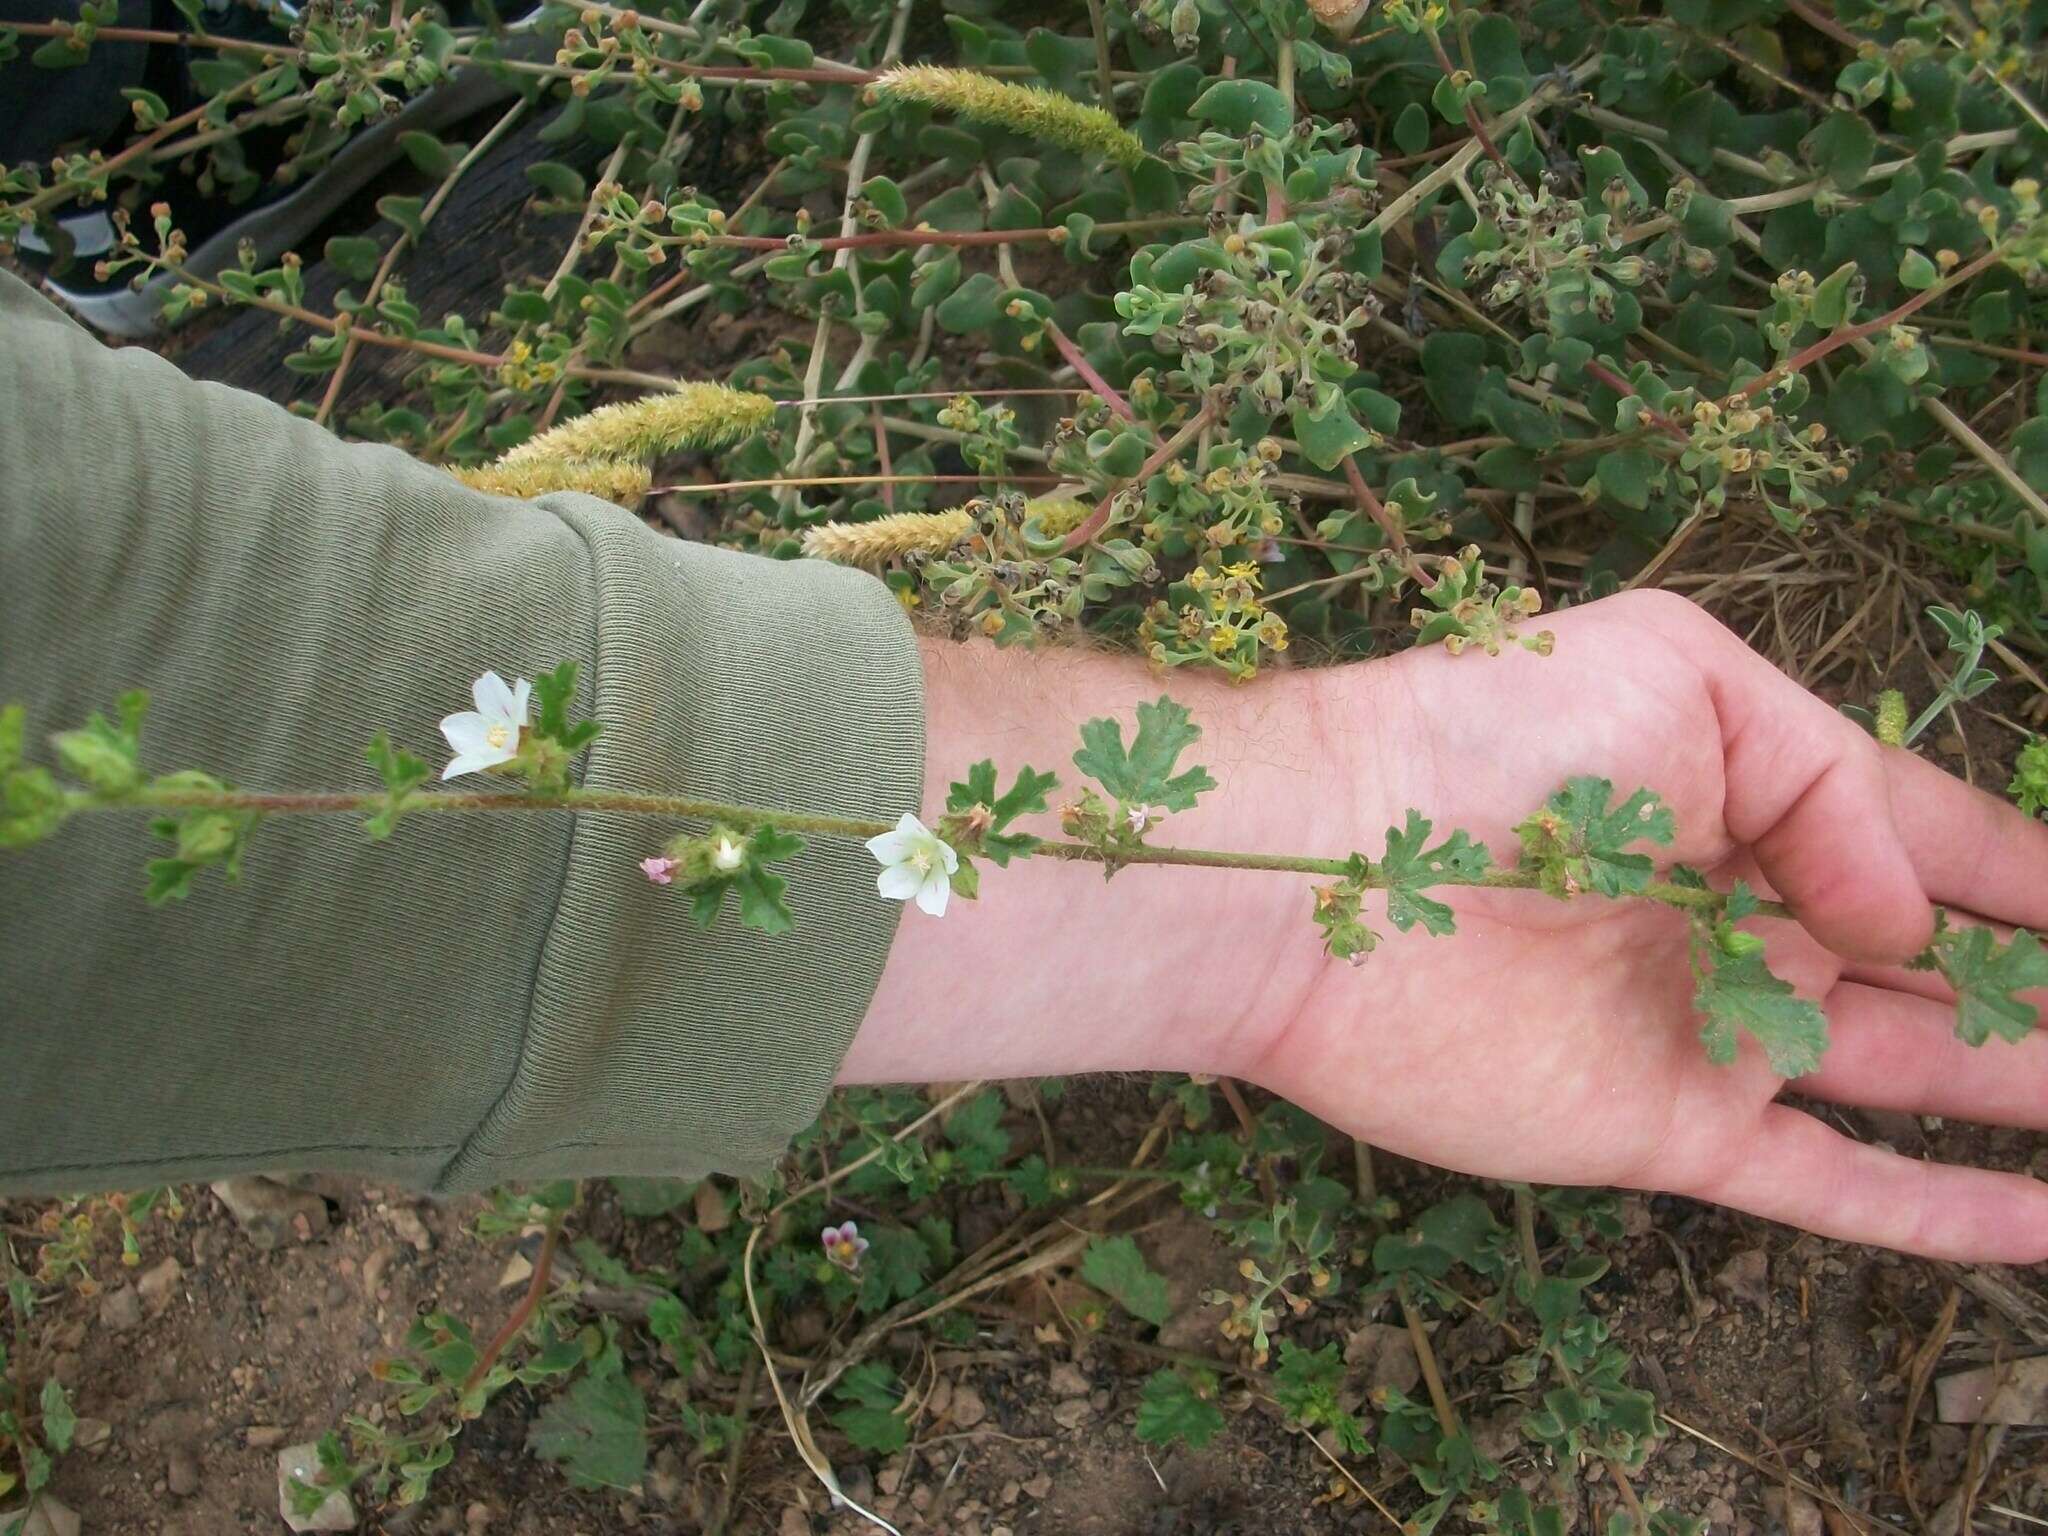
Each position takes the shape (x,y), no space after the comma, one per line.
(1547,1041)
(1556,1042)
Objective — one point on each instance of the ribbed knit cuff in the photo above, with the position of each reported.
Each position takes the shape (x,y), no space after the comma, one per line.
(654,1047)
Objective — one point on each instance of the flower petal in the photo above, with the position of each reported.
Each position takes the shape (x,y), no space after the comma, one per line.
(522,692)
(467,732)
(890,847)
(493,699)
(899,882)
(933,894)
(470,762)
(947,855)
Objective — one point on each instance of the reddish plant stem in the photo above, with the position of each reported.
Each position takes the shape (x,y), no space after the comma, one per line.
(1396,535)
(1100,516)
(151,35)
(882,456)
(1825,24)
(536,1288)
(1472,121)
(150,140)
(922,237)
(1105,390)
(1807,356)
(1621,386)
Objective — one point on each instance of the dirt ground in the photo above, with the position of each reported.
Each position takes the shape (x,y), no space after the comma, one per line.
(1781,1361)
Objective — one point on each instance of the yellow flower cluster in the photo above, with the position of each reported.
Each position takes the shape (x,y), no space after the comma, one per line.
(1031,110)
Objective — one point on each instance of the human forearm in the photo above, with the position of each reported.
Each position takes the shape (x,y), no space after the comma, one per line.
(485,996)
(1053,970)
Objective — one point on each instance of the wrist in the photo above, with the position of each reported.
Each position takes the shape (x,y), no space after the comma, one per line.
(1053,970)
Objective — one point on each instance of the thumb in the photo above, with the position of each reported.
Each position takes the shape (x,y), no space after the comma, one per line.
(1807,790)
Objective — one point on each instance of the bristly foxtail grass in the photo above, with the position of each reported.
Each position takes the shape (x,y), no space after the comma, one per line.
(623,482)
(1028,109)
(693,416)
(888,538)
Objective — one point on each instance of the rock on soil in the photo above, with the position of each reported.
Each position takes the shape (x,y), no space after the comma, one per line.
(272,1214)
(49,1518)
(302,1462)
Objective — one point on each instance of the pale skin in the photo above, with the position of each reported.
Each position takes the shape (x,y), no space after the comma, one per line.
(1547,1041)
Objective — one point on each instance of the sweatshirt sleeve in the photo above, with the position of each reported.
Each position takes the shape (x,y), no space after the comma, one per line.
(483,997)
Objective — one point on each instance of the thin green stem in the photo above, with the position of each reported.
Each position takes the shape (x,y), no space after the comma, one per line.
(683,807)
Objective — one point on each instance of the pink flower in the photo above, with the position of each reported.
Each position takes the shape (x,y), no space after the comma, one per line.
(658,869)
(844,1245)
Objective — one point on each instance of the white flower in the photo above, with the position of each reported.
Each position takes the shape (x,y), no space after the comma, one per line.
(488,735)
(916,862)
(1140,817)
(727,856)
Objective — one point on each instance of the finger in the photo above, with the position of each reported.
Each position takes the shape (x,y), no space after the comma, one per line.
(1932,984)
(1970,848)
(1795,1170)
(1890,1050)
(1808,791)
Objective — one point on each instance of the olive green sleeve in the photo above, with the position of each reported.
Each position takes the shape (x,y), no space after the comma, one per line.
(484,997)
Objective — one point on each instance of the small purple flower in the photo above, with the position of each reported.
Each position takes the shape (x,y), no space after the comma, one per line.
(844,1245)
(659,870)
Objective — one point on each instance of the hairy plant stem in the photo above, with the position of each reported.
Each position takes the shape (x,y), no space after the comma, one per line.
(682,807)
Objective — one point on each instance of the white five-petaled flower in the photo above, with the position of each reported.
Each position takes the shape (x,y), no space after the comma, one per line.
(727,855)
(916,863)
(489,734)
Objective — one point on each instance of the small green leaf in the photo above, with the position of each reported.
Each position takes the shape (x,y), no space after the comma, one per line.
(402,774)
(1988,976)
(597,1431)
(1739,995)
(870,1420)
(1575,841)
(1145,774)
(1114,1266)
(106,755)
(1238,106)
(1410,867)
(1326,438)
(1179,1407)
(1841,148)
(354,256)
(59,1422)
(1916,272)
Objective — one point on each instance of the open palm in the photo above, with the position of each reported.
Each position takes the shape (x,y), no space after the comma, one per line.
(1557,1041)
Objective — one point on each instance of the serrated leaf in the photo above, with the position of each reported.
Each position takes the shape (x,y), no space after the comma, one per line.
(1144,775)
(1114,1266)
(1987,976)
(1411,866)
(596,1431)
(879,1431)
(1739,995)
(1178,1407)
(1577,841)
